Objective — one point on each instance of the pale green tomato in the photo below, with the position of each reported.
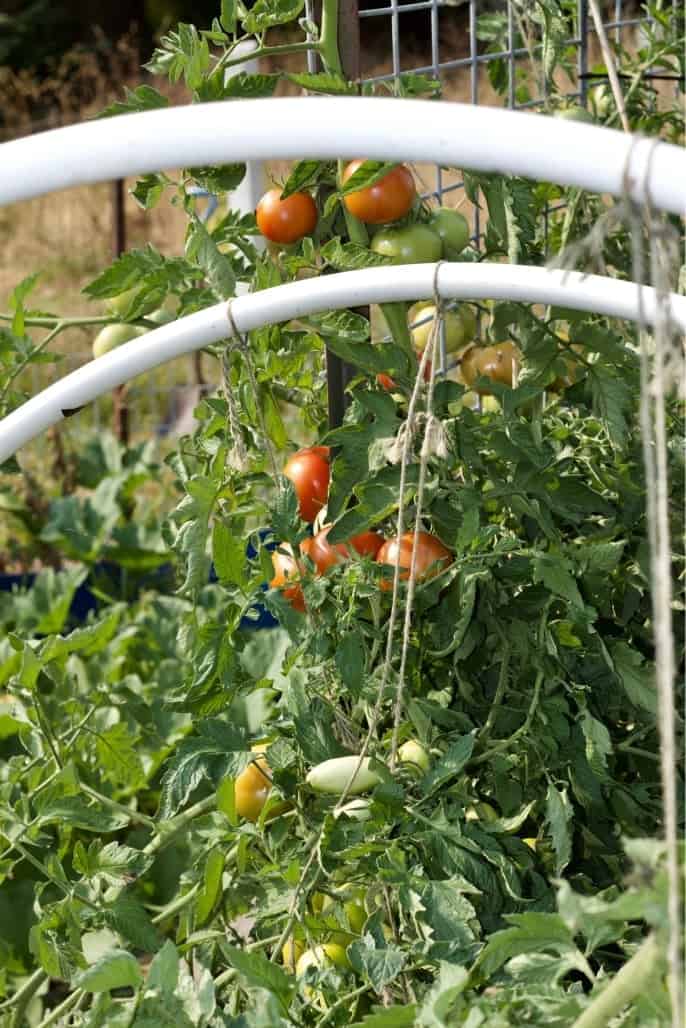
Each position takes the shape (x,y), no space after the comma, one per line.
(112,336)
(332,776)
(358,810)
(412,752)
(452,228)
(161,316)
(119,305)
(575,113)
(460,326)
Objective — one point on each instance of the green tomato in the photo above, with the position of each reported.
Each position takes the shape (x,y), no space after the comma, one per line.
(412,752)
(119,305)
(575,113)
(415,244)
(112,336)
(453,230)
(460,326)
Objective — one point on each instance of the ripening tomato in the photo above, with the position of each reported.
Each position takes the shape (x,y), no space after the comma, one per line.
(252,787)
(460,326)
(412,752)
(432,556)
(286,221)
(499,363)
(387,200)
(309,472)
(325,555)
(112,336)
(288,570)
(291,952)
(389,384)
(414,244)
(453,229)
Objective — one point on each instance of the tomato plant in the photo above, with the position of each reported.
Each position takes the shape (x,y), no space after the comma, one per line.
(112,336)
(158,862)
(388,199)
(286,221)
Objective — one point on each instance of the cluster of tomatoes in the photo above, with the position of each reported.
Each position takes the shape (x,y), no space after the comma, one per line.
(385,202)
(309,471)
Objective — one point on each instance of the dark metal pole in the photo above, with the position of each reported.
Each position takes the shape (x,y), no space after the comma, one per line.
(120,410)
(338,373)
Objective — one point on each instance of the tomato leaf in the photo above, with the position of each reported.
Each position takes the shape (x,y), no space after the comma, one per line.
(323,82)
(115,970)
(558,814)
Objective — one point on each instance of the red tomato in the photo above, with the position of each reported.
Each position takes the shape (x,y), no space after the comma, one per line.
(387,383)
(286,221)
(432,556)
(387,200)
(287,569)
(308,470)
(324,554)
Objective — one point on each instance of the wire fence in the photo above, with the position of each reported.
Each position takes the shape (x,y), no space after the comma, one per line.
(460,47)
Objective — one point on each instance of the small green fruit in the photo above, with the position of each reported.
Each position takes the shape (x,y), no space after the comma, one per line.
(112,336)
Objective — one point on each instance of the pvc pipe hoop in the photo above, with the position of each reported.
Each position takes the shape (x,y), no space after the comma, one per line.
(283,303)
(450,134)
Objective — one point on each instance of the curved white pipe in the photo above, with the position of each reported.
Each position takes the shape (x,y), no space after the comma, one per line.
(456,135)
(455,280)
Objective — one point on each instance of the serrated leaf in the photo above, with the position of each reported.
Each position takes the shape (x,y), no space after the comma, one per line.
(303,176)
(389,1017)
(554,573)
(378,966)
(450,983)
(260,972)
(532,932)
(142,98)
(201,248)
(368,173)
(450,764)
(127,916)
(217,750)
(228,555)
(211,887)
(220,179)
(598,743)
(351,256)
(558,815)
(323,82)
(75,812)
(148,190)
(115,970)
(266,13)
(350,660)
(636,674)
(163,973)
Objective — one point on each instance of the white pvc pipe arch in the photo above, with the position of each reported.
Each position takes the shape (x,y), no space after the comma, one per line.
(456,135)
(347,289)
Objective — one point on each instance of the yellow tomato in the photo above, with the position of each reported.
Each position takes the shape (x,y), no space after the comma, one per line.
(253,785)
(291,952)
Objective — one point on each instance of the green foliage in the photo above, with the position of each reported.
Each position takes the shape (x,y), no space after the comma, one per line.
(507,884)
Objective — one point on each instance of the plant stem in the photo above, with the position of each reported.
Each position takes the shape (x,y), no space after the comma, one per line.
(134,815)
(341,1003)
(629,982)
(73,1000)
(328,43)
(265,51)
(168,829)
(504,744)
(177,904)
(29,988)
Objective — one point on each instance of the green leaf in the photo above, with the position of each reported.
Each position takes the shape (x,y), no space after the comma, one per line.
(216,751)
(304,175)
(598,743)
(350,660)
(323,82)
(450,764)
(75,812)
(636,675)
(554,573)
(378,966)
(201,248)
(266,13)
(163,973)
(142,98)
(127,916)
(558,815)
(115,970)
(148,190)
(192,521)
(222,178)
(532,932)
(450,983)
(351,256)
(367,175)
(260,972)
(389,1017)
(211,887)
(228,555)
(227,15)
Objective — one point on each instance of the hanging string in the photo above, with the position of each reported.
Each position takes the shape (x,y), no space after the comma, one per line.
(654,443)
